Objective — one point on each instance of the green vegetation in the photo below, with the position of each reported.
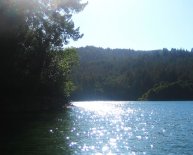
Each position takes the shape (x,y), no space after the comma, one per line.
(34,64)
(125,74)
(180,90)
(36,68)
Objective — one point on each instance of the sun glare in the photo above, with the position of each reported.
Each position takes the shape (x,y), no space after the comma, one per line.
(102,107)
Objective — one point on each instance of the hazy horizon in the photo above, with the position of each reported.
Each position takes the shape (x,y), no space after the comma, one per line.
(84,46)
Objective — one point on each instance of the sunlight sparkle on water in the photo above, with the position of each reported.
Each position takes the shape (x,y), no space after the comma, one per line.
(102,107)
(109,127)
(108,114)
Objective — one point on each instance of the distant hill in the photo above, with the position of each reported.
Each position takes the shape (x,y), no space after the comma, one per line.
(126,74)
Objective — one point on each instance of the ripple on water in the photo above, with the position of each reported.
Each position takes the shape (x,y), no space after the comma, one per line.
(124,127)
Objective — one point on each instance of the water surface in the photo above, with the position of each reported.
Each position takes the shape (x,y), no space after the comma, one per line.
(135,128)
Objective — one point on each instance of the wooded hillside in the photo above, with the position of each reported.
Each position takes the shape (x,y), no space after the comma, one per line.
(125,74)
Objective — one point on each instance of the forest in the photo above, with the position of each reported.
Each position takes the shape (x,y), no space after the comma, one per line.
(38,71)
(127,74)
(40,74)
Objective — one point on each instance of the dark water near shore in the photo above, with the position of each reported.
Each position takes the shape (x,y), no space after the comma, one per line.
(134,128)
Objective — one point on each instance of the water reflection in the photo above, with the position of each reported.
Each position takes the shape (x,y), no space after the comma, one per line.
(120,128)
(106,127)
(132,128)
(103,107)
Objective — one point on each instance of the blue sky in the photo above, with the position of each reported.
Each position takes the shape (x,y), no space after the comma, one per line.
(136,24)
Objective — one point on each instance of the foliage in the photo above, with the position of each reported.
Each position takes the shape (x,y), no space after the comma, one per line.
(33,34)
(126,74)
(180,90)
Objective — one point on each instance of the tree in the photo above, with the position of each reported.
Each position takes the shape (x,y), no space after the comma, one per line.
(33,35)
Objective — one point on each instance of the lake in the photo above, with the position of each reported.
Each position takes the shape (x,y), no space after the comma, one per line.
(106,127)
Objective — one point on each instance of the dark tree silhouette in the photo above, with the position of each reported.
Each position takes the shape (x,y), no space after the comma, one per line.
(33,34)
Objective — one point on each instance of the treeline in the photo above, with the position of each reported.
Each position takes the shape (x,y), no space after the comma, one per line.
(126,74)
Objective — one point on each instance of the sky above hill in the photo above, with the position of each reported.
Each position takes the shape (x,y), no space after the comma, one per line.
(136,24)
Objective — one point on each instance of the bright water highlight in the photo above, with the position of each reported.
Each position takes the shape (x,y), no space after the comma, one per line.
(133,128)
